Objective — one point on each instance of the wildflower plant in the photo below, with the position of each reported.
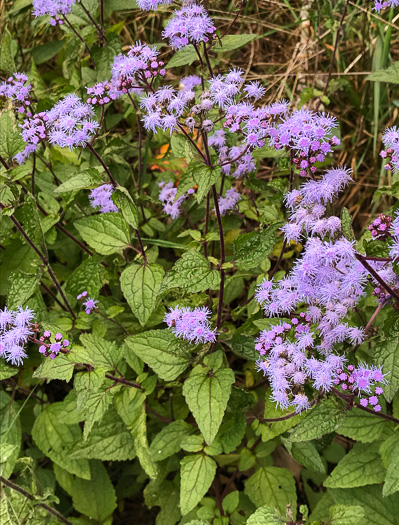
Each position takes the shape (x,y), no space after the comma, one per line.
(190,315)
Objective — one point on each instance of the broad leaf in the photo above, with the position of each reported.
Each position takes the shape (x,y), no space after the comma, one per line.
(167,355)
(391,484)
(387,354)
(205,177)
(390,74)
(89,277)
(230,42)
(87,179)
(22,287)
(141,285)
(347,515)
(197,473)
(183,57)
(167,441)
(59,368)
(361,426)
(123,200)
(191,273)
(264,516)
(252,248)
(97,352)
(321,420)
(10,434)
(106,233)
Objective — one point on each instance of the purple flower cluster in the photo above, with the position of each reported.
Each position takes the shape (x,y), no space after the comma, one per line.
(137,69)
(89,304)
(101,197)
(379,6)
(308,205)
(18,89)
(191,324)
(362,381)
(15,328)
(390,154)
(228,202)
(34,132)
(102,93)
(394,251)
(54,8)
(70,123)
(308,135)
(167,196)
(148,5)
(380,227)
(190,25)
(52,349)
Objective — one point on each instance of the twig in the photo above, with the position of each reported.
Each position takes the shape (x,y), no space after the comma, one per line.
(77,34)
(100,160)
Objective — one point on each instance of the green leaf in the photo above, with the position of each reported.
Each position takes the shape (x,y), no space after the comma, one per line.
(141,285)
(95,498)
(270,430)
(59,368)
(109,440)
(87,179)
(391,484)
(22,287)
(205,177)
(197,473)
(265,516)
(191,273)
(106,233)
(377,509)
(167,355)
(230,42)
(347,515)
(361,466)
(389,74)
(10,140)
(104,56)
(130,405)
(45,52)
(7,371)
(321,420)
(167,441)
(387,354)
(361,426)
(10,434)
(243,346)
(32,223)
(183,57)
(123,200)
(96,404)
(207,391)
(88,276)
(56,438)
(232,431)
(6,53)
(346,222)
(230,502)
(307,455)
(272,486)
(97,352)
(250,249)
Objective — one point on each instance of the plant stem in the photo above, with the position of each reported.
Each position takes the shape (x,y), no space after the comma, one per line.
(222,259)
(4,163)
(77,34)
(379,414)
(29,496)
(100,160)
(379,279)
(141,247)
(100,30)
(33,173)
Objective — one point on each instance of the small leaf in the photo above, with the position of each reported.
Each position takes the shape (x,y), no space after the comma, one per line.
(321,420)
(106,233)
(123,200)
(141,285)
(389,74)
(205,177)
(346,222)
(265,516)
(197,473)
(22,287)
(183,57)
(306,454)
(97,352)
(89,276)
(161,350)
(10,140)
(347,515)
(252,248)
(207,392)
(60,368)
(387,354)
(230,42)
(87,179)
(167,441)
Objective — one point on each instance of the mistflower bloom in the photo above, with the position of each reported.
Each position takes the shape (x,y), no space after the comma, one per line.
(390,154)
(53,8)
(101,197)
(147,5)
(167,196)
(18,89)
(70,123)
(34,132)
(14,332)
(103,92)
(90,305)
(50,348)
(191,24)
(228,202)
(254,90)
(191,324)
(379,6)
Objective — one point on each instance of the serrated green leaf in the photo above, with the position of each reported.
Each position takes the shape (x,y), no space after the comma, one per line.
(230,42)
(321,420)
(45,52)
(250,249)
(60,368)
(272,486)
(10,140)
(346,222)
(265,516)
(391,484)
(197,473)
(123,200)
(87,179)
(205,177)
(94,498)
(191,273)
(56,438)
(243,346)
(141,285)
(361,466)
(88,276)
(97,352)
(10,433)
(7,371)
(167,355)
(347,515)
(307,455)
(104,56)
(207,392)
(106,233)
(130,405)
(167,441)
(387,355)
(389,74)
(270,430)
(361,426)
(22,287)
(232,431)
(183,57)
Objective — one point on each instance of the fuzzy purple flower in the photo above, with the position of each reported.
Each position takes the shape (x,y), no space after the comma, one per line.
(101,197)
(191,324)
(228,202)
(14,333)
(191,24)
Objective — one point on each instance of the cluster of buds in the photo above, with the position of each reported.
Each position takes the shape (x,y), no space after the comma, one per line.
(390,157)
(305,162)
(362,382)
(102,93)
(89,304)
(17,88)
(380,227)
(52,349)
